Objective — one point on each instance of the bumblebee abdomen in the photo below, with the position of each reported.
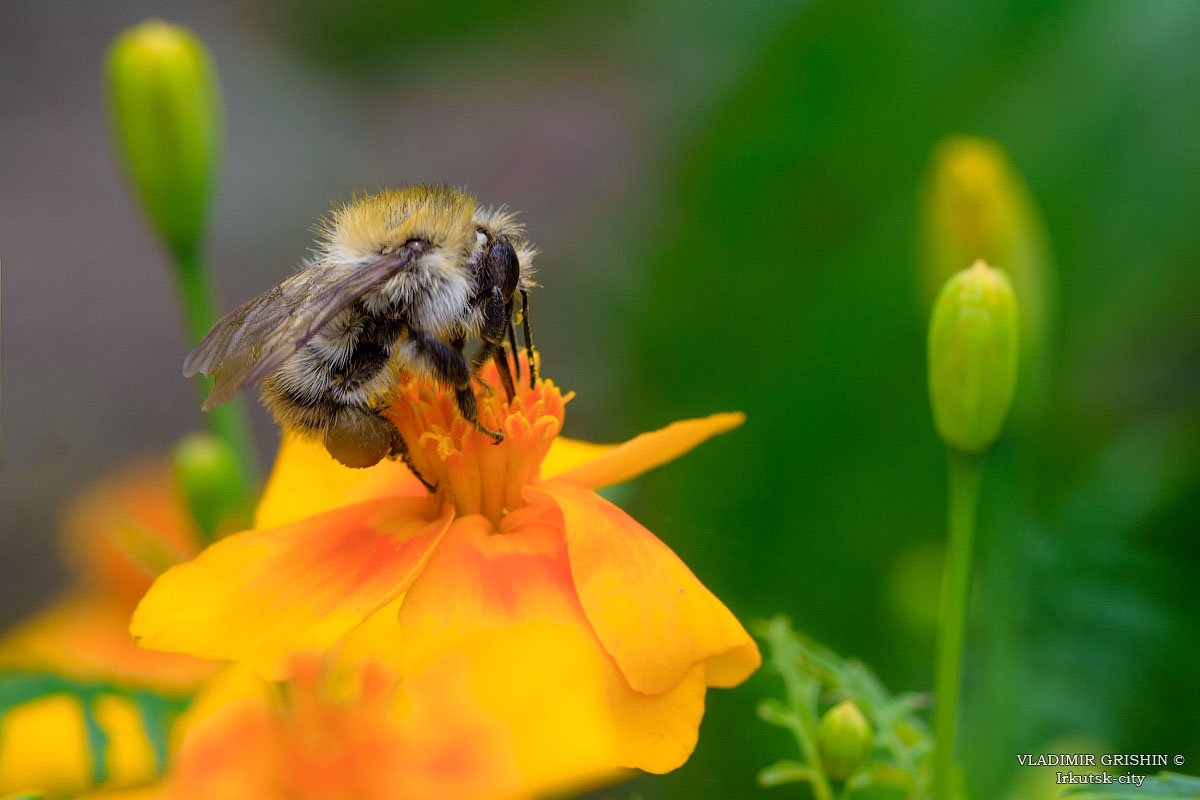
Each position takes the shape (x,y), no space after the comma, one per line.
(345,365)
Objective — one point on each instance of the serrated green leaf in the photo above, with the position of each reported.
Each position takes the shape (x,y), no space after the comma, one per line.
(811,670)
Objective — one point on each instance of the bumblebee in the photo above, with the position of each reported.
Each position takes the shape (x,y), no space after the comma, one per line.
(403,279)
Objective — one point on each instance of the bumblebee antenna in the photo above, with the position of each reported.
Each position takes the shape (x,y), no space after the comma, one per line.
(528,338)
(512,344)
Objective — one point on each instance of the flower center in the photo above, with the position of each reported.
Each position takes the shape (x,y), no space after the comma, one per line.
(472,471)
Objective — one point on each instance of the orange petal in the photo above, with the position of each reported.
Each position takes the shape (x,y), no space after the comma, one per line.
(247,739)
(259,595)
(652,614)
(596,466)
(502,608)
(485,580)
(125,528)
(306,480)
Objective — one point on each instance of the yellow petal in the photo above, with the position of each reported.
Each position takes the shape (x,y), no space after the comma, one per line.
(566,454)
(28,759)
(596,466)
(87,637)
(502,609)
(306,480)
(652,614)
(45,745)
(258,595)
(572,719)
(130,757)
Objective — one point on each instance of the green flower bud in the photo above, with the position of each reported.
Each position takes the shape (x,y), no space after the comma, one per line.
(165,122)
(973,357)
(208,475)
(845,740)
(975,206)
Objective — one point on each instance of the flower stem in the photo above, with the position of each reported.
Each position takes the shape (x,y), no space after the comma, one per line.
(802,694)
(965,474)
(230,422)
(821,788)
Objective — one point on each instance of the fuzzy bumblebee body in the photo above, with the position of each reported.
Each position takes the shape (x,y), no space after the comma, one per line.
(403,279)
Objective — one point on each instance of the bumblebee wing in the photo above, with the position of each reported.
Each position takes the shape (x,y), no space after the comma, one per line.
(257,337)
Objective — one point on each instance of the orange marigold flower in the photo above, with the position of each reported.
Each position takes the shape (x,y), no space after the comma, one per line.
(117,535)
(69,673)
(325,735)
(563,616)
(367,741)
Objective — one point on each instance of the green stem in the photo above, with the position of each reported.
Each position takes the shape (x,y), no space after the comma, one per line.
(802,697)
(230,421)
(821,788)
(965,475)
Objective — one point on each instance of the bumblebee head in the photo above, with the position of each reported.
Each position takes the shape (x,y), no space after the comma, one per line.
(502,256)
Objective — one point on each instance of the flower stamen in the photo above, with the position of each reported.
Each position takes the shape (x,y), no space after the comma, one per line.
(474,473)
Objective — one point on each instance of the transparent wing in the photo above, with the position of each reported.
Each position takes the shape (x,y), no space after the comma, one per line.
(257,337)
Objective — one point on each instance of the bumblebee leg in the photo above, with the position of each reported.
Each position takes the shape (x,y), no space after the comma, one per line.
(459,343)
(528,338)
(500,358)
(495,318)
(450,367)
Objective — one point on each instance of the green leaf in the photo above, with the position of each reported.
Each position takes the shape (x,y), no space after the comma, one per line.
(776,713)
(1162,785)
(782,772)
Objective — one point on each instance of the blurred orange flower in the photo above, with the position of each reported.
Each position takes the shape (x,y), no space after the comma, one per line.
(553,609)
(320,735)
(71,675)
(307,739)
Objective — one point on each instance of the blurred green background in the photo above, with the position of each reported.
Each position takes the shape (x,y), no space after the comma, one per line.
(727,201)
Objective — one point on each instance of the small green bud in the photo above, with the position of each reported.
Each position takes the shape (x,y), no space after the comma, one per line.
(973,357)
(975,205)
(845,740)
(165,122)
(208,476)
